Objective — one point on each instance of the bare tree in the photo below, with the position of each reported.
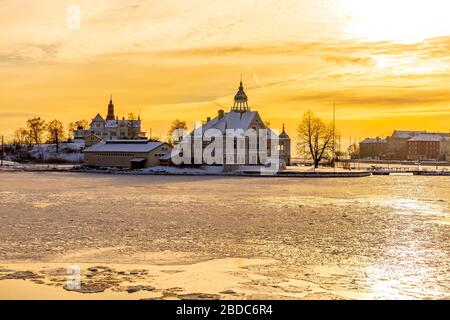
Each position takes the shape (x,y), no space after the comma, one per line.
(177,130)
(55,130)
(21,137)
(353,151)
(316,136)
(36,127)
(73,126)
(20,140)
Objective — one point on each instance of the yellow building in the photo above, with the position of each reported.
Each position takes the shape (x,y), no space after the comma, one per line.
(91,139)
(133,154)
(112,128)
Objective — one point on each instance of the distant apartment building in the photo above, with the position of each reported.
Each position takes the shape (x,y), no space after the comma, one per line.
(445,149)
(372,148)
(428,147)
(407,145)
(397,144)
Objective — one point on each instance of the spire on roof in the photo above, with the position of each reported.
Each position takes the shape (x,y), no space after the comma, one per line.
(110,115)
(240,100)
(283,134)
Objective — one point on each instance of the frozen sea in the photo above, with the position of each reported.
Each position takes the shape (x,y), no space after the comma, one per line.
(377,237)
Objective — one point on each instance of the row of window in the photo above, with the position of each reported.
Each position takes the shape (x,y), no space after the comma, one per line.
(427,143)
(427,148)
(113,154)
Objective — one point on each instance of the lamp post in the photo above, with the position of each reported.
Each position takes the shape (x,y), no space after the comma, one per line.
(334,137)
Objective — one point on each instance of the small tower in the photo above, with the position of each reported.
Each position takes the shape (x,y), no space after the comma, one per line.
(110,115)
(285,147)
(240,100)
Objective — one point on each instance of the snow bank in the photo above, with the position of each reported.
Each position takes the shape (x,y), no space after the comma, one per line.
(11,164)
(68,152)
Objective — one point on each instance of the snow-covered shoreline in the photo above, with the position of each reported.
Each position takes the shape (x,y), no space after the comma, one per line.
(204,171)
(175,171)
(35,167)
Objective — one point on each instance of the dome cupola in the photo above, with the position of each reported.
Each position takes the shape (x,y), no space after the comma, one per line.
(240,100)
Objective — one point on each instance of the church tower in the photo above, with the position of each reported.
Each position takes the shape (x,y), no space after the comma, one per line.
(240,101)
(110,115)
(285,147)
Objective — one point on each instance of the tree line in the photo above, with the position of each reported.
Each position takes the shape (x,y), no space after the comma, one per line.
(38,131)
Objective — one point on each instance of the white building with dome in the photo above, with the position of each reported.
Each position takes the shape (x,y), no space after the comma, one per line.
(241,117)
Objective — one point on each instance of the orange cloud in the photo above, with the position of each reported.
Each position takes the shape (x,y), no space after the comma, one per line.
(182,60)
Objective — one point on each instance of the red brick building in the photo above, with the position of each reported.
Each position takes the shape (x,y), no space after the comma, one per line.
(397,144)
(425,147)
(373,148)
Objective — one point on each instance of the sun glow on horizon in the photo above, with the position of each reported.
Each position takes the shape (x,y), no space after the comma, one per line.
(397,20)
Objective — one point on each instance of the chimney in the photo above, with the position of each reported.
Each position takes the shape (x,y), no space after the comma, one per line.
(208,119)
(221,114)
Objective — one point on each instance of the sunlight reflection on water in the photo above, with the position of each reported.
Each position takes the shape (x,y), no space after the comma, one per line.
(396,204)
(408,206)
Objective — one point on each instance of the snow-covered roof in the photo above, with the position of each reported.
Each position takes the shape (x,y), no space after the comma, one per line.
(233,120)
(117,123)
(405,134)
(98,117)
(373,140)
(125,146)
(123,141)
(428,138)
(90,135)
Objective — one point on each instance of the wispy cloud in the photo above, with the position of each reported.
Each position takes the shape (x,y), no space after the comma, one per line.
(30,53)
(183,59)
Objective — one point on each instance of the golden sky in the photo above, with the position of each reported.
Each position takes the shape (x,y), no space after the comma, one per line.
(385,63)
